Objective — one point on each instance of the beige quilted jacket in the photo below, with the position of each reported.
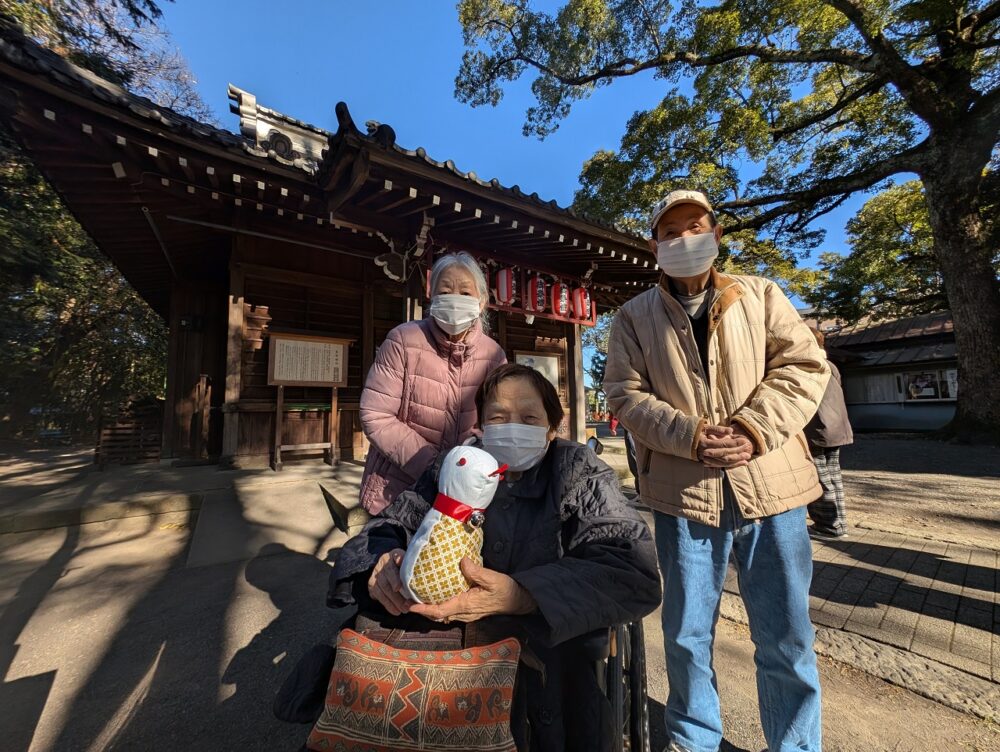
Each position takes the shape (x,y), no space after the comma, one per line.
(766,373)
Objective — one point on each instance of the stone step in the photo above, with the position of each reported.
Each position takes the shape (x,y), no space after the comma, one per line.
(46,514)
(342,497)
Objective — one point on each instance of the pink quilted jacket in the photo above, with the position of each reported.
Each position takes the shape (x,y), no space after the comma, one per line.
(419,400)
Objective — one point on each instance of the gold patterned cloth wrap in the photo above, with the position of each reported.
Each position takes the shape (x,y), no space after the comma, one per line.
(451,529)
(436,574)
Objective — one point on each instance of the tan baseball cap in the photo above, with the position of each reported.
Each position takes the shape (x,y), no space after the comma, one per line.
(674,198)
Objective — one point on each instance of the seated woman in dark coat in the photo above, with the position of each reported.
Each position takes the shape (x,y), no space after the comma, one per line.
(564,558)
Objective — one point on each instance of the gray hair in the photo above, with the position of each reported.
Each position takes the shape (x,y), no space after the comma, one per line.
(469,264)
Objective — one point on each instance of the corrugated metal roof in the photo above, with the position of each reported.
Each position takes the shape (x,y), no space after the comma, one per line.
(868,331)
(905,355)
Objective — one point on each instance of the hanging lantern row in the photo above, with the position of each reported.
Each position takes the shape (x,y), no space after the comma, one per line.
(539,296)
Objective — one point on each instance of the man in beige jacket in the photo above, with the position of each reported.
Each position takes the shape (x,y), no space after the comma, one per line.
(715,376)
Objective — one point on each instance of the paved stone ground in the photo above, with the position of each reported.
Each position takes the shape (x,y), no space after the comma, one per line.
(938,600)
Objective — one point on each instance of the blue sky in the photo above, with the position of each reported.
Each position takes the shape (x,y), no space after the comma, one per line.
(395,61)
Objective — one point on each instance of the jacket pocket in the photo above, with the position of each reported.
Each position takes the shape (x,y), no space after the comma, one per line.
(647,456)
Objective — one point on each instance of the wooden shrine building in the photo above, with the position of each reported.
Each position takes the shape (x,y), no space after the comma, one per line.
(289,231)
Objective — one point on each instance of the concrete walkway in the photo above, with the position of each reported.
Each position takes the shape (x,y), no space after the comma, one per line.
(937,600)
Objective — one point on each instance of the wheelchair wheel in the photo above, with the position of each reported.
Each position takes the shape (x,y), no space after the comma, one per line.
(638,700)
(626,690)
(617,689)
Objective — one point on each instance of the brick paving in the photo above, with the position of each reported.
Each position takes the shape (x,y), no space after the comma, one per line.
(938,600)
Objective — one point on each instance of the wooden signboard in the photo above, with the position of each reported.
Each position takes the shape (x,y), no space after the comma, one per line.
(307,360)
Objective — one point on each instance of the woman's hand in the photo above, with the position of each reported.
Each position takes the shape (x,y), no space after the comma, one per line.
(385,586)
(491,593)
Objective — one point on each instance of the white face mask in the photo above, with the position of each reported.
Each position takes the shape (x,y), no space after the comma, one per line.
(517,445)
(454,313)
(689,256)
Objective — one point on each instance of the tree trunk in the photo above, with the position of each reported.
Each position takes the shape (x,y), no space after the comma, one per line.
(970,280)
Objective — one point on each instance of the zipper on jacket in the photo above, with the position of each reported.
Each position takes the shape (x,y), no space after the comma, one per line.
(708,407)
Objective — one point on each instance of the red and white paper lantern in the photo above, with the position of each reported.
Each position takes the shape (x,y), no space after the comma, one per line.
(534,298)
(505,286)
(560,299)
(581,303)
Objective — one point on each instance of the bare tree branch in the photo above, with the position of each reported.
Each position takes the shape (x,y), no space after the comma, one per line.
(915,88)
(793,202)
(869,88)
(629,66)
(987,111)
(975,21)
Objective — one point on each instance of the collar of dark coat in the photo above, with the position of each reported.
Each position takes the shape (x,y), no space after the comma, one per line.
(534,482)
(725,291)
(438,338)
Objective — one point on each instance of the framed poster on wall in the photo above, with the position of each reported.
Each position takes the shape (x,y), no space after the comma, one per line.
(547,364)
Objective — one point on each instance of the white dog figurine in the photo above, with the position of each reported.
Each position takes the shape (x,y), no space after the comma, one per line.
(452,528)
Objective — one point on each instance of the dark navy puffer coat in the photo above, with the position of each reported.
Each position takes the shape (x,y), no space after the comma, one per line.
(565,533)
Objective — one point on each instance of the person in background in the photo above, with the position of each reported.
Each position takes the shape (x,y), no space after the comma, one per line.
(827,432)
(715,376)
(419,398)
(613,424)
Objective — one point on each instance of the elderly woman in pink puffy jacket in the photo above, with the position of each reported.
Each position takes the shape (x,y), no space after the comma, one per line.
(420,395)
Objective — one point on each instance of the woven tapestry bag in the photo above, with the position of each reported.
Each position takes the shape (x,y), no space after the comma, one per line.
(385,698)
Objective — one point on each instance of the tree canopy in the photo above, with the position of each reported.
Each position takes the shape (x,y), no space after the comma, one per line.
(891,270)
(78,340)
(780,110)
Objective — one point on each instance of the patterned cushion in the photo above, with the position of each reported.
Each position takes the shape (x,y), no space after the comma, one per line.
(384,699)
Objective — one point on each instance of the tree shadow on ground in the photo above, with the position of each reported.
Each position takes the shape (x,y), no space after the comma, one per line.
(158,685)
(861,586)
(24,699)
(921,456)
(919,563)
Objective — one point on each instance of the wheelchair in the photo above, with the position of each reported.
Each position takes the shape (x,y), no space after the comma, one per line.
(619,658)
(621,673)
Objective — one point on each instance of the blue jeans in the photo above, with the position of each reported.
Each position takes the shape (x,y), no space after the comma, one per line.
(774,564)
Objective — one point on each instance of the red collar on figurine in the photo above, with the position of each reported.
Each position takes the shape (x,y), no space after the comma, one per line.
(453,508)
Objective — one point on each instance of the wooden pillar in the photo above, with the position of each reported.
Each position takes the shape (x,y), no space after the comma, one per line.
(174,352)
(367,330)
(279,412)
(234,367)
(415,297)
(577,393)
(502,331)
